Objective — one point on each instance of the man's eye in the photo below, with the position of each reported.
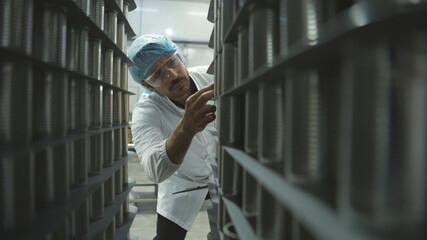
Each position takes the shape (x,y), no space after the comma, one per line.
(157,74)
(171,62)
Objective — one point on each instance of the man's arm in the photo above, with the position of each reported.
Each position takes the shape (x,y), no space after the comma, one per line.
(197,115)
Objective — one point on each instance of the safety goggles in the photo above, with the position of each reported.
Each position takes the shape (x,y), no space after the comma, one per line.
(161,75)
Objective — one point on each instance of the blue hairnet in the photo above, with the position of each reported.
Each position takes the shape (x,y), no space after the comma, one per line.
(147,50)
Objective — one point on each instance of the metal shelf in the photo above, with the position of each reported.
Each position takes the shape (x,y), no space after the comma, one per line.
(122,231)
(53,215)
(15,149)
(362,19)
(11,53)
(316,215)
(112,5)
(76,16)
(101,225)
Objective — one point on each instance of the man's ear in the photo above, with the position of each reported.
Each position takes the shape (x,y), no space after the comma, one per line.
(147,86)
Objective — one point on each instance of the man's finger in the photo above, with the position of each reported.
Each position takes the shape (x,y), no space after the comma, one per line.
(206,109)
(196,95)
(204,98)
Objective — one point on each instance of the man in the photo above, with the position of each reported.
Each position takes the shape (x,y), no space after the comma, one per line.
(169,131)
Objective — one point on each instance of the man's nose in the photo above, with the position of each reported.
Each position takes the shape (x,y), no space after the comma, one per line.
(171,73)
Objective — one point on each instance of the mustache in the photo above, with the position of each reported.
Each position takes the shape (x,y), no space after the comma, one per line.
(175,81)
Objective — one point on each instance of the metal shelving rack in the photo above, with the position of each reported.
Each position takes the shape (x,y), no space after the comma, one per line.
(314,139)
(63,145)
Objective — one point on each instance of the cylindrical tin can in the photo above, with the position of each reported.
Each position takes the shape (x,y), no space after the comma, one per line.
(238,184)
(119,217)
(270,125)
(250,193)
(383,177)
(124,141)
(95,56)
(109,191)
(117,108)
(81,158)
(242,55)
(52,175)
(228,66)
(107,66)
(71,163)
(125,40)
(224,120)
(121,35)
(226,173)
(43,101)
(107,107)
(96,154)
(17,188)
(97,12)
(125,108)
(124,75)
(251,122)
(82,219)
(118,181)
(227,15)
(126,8)
(97,204)
(6,23)
(308,165)
(62,38)
(125,174)
(83,50)
(116,71)
(22,20)
(126,205)
(96,105)
(110,21)
(120,4)
(16,105)
(72,55)
(271,220)
(237,121)
(110,232)
(72,108)
(50,28)
(60,103)
(108,148)
(82,107)
(117,144)
(50,104)
(263,35)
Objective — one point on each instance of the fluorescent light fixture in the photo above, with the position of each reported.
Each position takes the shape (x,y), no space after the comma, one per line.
(169,31)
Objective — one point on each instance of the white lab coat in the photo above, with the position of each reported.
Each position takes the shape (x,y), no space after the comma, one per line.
(154,117)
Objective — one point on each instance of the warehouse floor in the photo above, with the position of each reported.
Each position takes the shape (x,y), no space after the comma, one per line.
(144,225)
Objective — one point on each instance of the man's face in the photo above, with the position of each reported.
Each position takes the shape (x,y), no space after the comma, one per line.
(172,76)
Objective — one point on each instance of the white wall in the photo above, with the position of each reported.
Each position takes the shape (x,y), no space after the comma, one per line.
(180,20)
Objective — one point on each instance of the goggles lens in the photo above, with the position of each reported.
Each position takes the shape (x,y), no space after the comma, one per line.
(161,75)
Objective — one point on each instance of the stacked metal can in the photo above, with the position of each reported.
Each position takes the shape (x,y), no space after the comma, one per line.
(17,187)
(22,18)
(110,21)
(383,178)
(97,12)
(50,33)
(16,124)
